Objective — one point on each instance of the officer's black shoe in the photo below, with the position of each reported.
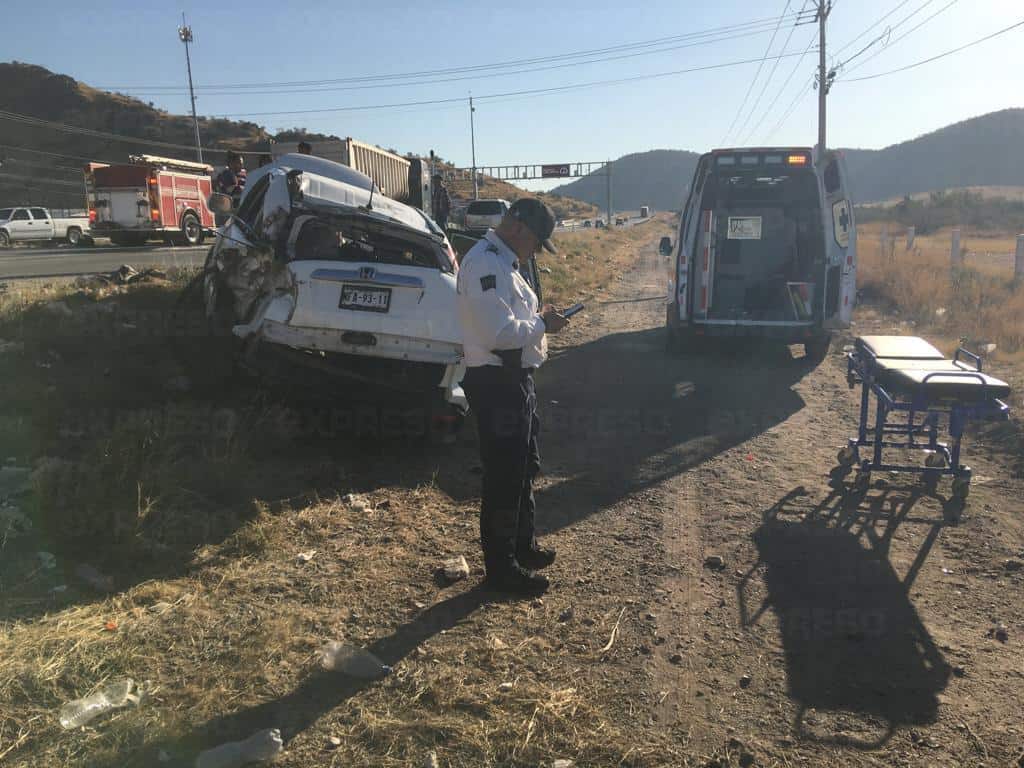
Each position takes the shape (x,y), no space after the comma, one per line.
(517,580)
(535,557)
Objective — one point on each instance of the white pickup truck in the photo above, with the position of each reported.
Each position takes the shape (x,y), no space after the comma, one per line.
(36,224)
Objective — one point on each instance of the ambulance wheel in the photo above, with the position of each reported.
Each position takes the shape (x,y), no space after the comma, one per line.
(935,461)
(847,456)
(191,230)
(816,350)
(961,487)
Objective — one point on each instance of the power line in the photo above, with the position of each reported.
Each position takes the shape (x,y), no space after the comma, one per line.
(760,66)
(478,76)
(456,70)
(528,92)
(909,32)
(768,81)
(916,64)
(800,96)
(785,85)
(879,21)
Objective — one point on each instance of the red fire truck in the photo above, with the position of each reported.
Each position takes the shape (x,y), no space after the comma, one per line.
(149,197)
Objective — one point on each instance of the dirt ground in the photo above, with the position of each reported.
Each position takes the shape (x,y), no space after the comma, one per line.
(719,597)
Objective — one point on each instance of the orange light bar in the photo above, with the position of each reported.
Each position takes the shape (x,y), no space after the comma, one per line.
(797,159)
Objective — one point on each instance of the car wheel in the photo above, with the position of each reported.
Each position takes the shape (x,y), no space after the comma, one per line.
(5,240)
(74,236)
(191,230)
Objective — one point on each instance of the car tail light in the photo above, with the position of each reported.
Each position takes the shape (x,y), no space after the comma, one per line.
(154,214)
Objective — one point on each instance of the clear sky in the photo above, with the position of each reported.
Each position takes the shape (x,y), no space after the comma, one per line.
(135,47)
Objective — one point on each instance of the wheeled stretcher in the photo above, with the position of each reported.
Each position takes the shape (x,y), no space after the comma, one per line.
(916,388)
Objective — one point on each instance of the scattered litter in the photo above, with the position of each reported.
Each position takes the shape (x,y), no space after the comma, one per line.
(505,687)
(47,561)
(947,571)
(456,568)
(430,761)
(545,270)
(261,747)
(351,660)
(563,763)
(305,557)
(111,696)
(123,275)
(333,742)
(567,614)
(940,312)
(745,681)
(496,643)
(110,626)
(749,457)
(615,631)
(714,562)
(91,576)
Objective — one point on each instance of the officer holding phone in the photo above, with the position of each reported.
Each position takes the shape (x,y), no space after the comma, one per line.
(504,343)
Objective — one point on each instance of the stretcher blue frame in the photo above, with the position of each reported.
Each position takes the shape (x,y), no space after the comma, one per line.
(920,416)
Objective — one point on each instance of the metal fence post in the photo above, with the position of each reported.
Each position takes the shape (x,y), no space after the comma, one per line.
(911,234)
(1018,260)
(955,256)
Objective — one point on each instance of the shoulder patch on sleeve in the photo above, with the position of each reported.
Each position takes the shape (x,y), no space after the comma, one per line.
(488,283)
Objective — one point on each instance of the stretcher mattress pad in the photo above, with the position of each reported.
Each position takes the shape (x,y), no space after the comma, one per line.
(961,382)
(903,347)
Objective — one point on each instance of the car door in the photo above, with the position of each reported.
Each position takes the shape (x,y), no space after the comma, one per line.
(840,243)
(20,225)
(42,222)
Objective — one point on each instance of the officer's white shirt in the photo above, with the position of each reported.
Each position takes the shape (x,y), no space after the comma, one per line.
(497,307)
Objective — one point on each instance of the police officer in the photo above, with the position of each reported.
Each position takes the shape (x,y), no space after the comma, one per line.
(504,342)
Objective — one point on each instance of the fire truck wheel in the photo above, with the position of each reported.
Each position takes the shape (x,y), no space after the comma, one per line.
(191,230)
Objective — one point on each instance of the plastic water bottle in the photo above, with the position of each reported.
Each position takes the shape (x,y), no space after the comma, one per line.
(110,697)
(261,747)
(352,661)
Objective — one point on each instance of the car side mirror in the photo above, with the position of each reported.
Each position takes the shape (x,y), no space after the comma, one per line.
(218,202)
(665,246)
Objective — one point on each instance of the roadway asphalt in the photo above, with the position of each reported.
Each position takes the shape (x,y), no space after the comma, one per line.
(29,262)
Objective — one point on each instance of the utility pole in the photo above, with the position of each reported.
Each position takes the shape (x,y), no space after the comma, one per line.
(472,140)
(824,77)
(185,35)
(608,180)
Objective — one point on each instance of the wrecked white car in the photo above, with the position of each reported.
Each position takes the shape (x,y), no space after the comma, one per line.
(318,272)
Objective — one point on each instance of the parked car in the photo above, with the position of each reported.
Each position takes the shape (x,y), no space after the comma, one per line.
(482,215)
(32,224)
(320,276)
(767,247)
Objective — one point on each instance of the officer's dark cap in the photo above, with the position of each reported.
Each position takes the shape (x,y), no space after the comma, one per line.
(537,217)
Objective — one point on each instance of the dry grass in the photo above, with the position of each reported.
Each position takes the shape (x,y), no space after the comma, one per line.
(589,260)
(979,301)
(211,609)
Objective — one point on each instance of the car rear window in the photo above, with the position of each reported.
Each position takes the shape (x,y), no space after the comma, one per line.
(319,241)
(485,208)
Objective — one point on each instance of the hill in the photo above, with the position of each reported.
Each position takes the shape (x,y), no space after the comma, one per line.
(982,151)
(42,165)
(658,178)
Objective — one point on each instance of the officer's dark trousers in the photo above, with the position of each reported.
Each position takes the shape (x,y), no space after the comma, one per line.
(505,404)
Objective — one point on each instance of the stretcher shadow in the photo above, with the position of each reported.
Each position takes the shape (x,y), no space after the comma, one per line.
(319,693)
(859,661)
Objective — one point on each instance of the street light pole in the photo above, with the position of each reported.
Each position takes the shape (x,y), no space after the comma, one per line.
(185,35)
(472,140)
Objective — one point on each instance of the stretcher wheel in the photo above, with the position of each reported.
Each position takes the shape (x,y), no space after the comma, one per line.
(961,487)
(847,456)
(935,460)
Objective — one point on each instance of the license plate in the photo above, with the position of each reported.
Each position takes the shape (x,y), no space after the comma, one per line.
(365,299)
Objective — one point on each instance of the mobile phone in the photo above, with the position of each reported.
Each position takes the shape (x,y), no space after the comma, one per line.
(570,311)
